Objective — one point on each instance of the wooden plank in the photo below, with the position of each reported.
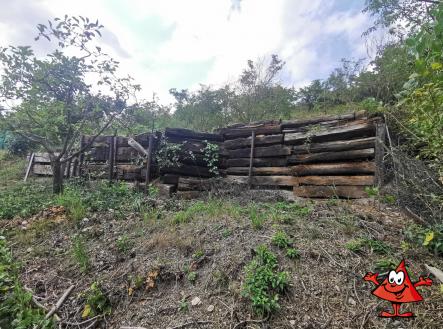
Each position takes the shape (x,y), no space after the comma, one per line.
(190,134)
(261,171)
(337,168)
(165,190)
(343,132)
(261,152)
(331,156)
(257,162)
(187,170)
(350,192)
(128,168)
(379,152)
(259,140)
(42,169)
(28,169)
(232,133)
(306,122)
(126,154)
(263,180)
(334,146)
(336,180)
(194,184)
(251,157)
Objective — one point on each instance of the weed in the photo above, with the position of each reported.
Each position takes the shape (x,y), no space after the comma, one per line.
(430,238)
(355,245)
(80,253)
(183,306)
(257,217)
(284,212)
(226,233)
(281,240)
(96,302)
(385,264)
(192,276)
(264,282)
(71,199)
(377,246)
(16,309)
(124,244)
(292,253)
(198,254)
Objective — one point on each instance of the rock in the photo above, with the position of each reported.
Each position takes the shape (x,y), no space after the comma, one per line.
(210,308)
(85,220)
(351,301)
(25,222)
(196,301)
(29,249)
(292,322)
(396,323)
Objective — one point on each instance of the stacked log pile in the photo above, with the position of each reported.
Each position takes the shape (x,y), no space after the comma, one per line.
(321,157)
(190,172)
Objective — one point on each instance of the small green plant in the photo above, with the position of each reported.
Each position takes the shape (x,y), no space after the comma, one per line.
(372,191)
(292,253)
(96,302)
(71,199)
(281,240)
(377,246)
(211,157)
(430,237)
(80,254)
(285,212)
(183,305)
(385,264)
(198,254)
(264,282)
(355,245)
(226,233)
(257,217)
(124,244)
(192,276)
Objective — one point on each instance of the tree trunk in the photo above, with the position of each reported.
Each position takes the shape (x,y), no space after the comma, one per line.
(57,177)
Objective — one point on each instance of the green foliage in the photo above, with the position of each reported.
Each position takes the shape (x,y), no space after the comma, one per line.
(377,246)
(192,276)
(264,282)
(124,244)
(205,209)
(285,212)
(183,305)
(80,253)
(168,154)
(385,264)
(292,253)
(257,217)
(16,309)
(18,145)
(198,254)
(211,157)
(71,199)
(24,199)
(281,240)
(96,302)
(430,238)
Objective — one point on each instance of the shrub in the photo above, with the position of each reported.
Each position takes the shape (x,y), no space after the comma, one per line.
(264,282)
(292,253)
(429,237)
(96,302)
(281,240)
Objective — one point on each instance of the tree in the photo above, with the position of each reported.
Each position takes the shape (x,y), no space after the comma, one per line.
(311,94)
(53,105)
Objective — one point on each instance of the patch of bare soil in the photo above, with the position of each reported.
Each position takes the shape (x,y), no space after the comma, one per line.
(189,275)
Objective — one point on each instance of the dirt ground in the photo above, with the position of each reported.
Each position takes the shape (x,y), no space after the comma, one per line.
(148,284)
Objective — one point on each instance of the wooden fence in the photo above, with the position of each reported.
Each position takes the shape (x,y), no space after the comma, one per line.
(317,158)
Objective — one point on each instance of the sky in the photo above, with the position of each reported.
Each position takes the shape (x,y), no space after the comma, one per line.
(181,44)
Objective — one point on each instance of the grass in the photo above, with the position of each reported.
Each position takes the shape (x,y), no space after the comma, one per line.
(376,246)
(71,199)
(80,253)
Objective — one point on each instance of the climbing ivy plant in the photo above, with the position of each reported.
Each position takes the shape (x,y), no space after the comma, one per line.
(211,156)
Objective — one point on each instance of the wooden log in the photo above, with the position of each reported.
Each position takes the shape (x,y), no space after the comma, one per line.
(232,133)
(97,154)
(343,132)
(306,122)
(255,124)
(111,158)
(379,152)
(257,162)
(336,180)
(260,152)
(126,154)
(190,134)
(128,168)
(261,171)
(332,156)
(187,170)
(42,169)
(263,180)
(170,179)
(337,168)
(194,184)
(334,146)
(259,140)
(349,192)
(165,190)
(149,163)
(251,157)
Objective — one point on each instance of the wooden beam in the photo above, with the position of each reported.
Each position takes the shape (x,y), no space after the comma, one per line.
(349,192)
(251,157)
(347,131)
(336,168)
(257,162)
(336,180)
(334,146)
(306,122)
(111,158)
(260,152)
(186,134)
(261,171)
(379,152)
(332,156)
(187,170)
(232,133)
(194,184)
(259,140)
(148,163)
(263,180)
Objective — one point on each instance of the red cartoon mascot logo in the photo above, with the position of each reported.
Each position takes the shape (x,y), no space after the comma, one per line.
(397,288)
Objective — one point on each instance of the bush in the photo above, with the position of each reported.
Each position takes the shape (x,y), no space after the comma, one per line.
(429,237)
(18,145)
(264,282)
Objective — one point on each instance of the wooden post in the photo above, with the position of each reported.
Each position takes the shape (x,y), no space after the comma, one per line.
(111,157)
(148,163)
(380,131)
(28,170)
(68,170)
(251,157)
(75,167)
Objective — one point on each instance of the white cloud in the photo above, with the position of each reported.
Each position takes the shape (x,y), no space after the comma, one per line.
(215,36)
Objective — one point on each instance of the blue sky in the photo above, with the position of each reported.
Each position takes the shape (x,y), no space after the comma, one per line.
(167,44)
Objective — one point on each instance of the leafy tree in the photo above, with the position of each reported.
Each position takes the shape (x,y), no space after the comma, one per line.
(53,105)
(311,94)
